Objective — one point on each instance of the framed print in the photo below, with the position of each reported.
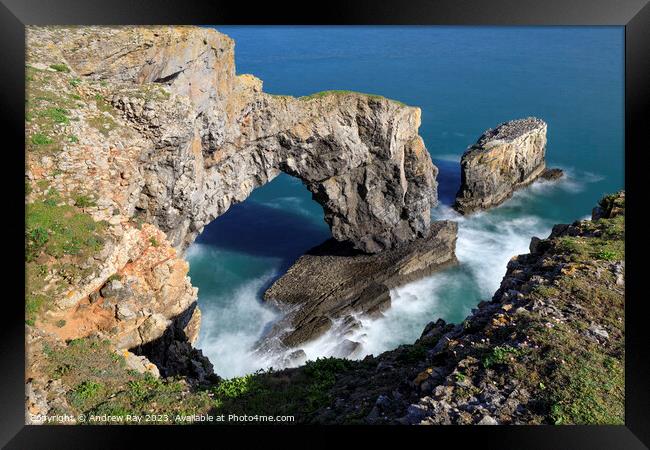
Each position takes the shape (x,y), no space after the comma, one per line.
(368,221)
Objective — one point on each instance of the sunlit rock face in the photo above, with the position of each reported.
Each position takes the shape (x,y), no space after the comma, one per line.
(503,160)
(168,137)
(219,136)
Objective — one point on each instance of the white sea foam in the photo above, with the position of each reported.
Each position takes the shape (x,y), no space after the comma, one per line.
(572,182)
(413,306)
(293,204)
(486,242)
(195,251)
(231,326)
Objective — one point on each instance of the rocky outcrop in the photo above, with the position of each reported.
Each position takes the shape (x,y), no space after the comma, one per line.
(548,348)
(334,283)
(151,133)
(219,136)
(552,174)
(503,159)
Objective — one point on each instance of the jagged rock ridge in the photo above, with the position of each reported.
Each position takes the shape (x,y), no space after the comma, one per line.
(331,282)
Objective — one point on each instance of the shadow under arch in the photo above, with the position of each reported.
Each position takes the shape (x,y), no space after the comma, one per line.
(279,220)
(240,254)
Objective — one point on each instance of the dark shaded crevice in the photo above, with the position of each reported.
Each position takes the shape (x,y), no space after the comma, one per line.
(174,354)
(169,78)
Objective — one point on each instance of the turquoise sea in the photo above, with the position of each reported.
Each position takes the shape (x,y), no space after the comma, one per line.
(465,80)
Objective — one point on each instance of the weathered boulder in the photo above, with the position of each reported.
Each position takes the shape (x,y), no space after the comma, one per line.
(503,160)
(333,281)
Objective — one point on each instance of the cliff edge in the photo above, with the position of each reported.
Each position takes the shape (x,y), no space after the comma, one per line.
(137,137)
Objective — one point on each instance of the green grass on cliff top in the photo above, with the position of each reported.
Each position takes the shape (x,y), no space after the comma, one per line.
(60,230)
(580,380)
(322,94)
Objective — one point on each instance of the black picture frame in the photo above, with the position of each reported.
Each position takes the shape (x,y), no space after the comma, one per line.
(634,15)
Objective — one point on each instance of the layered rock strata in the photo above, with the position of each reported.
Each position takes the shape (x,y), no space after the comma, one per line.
(151,133)
(334,283)
(219,136)
(501,161)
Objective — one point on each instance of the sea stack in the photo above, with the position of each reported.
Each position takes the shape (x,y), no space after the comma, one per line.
(503,160)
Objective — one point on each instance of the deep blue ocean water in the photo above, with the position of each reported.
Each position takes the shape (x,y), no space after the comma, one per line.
(465,80)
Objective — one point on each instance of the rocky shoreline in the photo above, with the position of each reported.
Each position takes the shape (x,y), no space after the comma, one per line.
(335,282)
(137,137)
(548,348)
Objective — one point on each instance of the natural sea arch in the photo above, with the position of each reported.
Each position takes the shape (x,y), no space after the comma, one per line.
(238,255)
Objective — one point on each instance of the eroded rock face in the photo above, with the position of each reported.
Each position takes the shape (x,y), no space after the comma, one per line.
(503,159)
(167,137)
(333,282)
(219,136)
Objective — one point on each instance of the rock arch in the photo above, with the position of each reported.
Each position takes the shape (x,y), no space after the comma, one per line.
(360,157)
(191,138)
(218,136)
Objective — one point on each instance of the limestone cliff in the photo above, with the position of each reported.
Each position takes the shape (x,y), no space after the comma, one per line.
(503,159)
(219,136)
(137,137)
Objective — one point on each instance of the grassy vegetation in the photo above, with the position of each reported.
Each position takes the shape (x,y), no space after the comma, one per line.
(300,393)
(608,245)
(573,375)
(103,123)
(59,230)
(579,379)
(34,303)
(55,230)
(322,94)
(501,355)
(41,139)
(48,110)
(84,201)
(546,291)
(60,68)
(55,115)
(589,389)
(98,381)
(102,104)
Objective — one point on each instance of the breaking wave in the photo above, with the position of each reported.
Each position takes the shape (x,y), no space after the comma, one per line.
(232,324)
(486,241)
